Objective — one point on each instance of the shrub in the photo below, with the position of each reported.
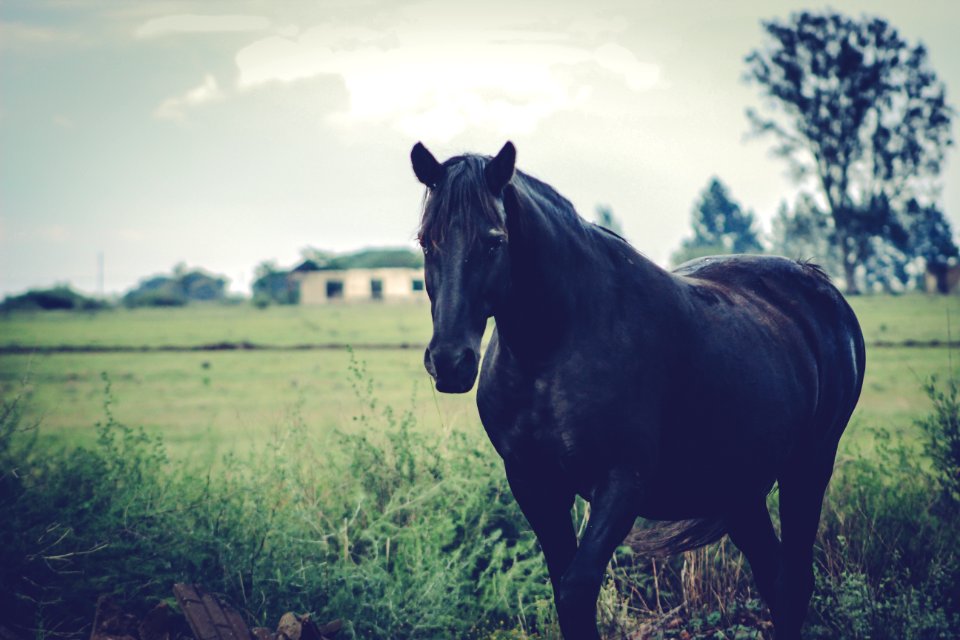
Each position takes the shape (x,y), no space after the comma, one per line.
(178,289)
(889,565)
(401,535)
(56,298)
(942,444)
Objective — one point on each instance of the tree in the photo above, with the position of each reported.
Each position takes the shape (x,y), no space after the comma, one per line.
(273,285)
(59,297)
(859,110)
(720,225)
(932,240)
(607,220)
(318,257)
(182,287)
(389,257)
(373,258)
(804,233)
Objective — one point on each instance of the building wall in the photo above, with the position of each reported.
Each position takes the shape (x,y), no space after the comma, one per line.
(396,285)
(952,279)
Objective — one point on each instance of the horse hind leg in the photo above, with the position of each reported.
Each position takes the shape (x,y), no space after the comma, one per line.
(752,532)
(801,498)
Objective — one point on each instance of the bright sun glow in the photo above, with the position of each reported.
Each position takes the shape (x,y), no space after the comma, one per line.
(504,82)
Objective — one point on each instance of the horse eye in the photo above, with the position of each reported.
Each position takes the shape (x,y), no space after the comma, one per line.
(495,243)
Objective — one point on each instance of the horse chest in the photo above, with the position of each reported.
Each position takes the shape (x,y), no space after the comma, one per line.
(550,430)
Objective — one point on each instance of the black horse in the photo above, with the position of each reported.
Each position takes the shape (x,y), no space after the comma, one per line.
(676,396)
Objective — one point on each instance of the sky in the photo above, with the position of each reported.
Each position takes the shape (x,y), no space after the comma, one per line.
(225,134)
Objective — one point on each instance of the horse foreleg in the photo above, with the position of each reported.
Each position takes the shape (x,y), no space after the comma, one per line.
(547,508)
(612,514)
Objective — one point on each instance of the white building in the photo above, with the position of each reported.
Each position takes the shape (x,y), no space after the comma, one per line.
(390,284)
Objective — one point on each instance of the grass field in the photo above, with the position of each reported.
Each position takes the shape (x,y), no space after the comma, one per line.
(281,326)
(206,402)
(405,528)
(887,319)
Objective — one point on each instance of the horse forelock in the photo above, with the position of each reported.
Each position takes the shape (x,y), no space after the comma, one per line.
(461,199)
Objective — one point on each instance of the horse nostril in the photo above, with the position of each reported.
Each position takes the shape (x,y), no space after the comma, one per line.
(454,369)
(449,362)
(428,363)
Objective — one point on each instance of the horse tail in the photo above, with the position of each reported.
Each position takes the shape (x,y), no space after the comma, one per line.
(670,538)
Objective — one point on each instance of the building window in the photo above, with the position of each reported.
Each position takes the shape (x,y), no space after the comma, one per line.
(376,289)
(334,289)
(418,285)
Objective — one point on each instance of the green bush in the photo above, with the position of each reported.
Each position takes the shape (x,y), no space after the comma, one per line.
(178,289)
(57,298)
(400,535)
(942,445)
(889,565)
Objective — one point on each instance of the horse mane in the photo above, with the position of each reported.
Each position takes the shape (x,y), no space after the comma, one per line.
(464,186)
(814,270)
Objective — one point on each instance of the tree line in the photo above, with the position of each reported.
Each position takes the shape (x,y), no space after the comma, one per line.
(272,284)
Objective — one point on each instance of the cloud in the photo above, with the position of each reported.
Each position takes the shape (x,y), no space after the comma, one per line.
(620,60)
(194,23)
(16,36)
(175,108)
(20,231)
(52,233)
(129,234)
(435,83)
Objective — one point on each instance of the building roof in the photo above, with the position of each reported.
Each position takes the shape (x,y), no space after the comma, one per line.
(306,265)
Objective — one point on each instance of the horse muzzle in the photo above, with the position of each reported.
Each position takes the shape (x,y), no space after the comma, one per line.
(453,370)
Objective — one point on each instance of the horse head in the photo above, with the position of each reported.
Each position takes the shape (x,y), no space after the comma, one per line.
(463,234)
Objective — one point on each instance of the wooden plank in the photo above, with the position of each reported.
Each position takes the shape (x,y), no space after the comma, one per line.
(239,627)
(209,617)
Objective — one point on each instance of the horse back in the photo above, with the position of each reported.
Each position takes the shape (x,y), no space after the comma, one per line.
(807,315)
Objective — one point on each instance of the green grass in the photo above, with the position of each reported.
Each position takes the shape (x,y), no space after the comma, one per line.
(406,533)
(210,324)
(221,400)
(915,317)
(340,503)
(207,402)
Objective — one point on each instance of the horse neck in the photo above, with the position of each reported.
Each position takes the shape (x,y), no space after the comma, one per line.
(560,273)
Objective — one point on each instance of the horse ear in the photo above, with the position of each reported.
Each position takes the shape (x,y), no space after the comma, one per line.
(499,170)
(428,170)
